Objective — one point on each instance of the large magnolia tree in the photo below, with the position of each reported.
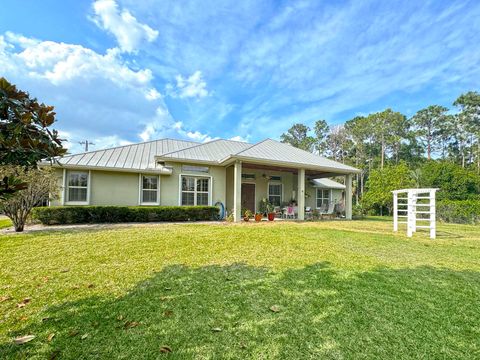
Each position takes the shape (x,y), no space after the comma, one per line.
(25,134)
(41,184)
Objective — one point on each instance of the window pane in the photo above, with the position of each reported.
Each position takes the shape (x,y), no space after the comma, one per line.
(77,194)
(275,200)
(150,182)
(274,189)
(188,198)
(202,184)
(77,179)
(149,196)
(202,199)
(188,183)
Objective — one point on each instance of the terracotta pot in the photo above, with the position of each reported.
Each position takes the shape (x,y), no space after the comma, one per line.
(271,216)
(258,217)
(246,218)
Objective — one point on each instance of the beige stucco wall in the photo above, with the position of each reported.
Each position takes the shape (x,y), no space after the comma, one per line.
(169,188)
(311,200)
(122,188)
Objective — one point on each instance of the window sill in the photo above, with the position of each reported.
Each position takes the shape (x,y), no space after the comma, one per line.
(77,203)
(149,204)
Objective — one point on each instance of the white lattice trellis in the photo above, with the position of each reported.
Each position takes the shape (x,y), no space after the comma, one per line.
(415,205)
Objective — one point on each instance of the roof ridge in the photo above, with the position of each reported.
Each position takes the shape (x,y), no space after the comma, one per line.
(132,144)
(251,146)
(190,147)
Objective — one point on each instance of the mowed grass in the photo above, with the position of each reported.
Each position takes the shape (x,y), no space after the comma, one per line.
(340,290)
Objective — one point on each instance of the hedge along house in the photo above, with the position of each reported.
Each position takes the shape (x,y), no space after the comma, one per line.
(176,172)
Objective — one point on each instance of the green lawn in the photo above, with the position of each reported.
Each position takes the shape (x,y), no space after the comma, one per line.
(345,290)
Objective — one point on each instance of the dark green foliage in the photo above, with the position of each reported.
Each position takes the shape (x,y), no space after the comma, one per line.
(382,182)
(119,214)
(454,182)
(460,211)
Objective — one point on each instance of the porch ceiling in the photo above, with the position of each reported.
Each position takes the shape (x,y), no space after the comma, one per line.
(309,174)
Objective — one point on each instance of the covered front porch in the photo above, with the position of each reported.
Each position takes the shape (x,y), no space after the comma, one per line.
(248,183)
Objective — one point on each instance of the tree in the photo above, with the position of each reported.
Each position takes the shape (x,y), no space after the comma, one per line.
(455,182)
(388,129)
(469,103)
(42,183)
(428,123)
(337,143)
(321,130)
(25,137)
(382,182)
(298,136)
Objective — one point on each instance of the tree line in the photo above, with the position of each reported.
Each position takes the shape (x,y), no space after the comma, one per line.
(389,138)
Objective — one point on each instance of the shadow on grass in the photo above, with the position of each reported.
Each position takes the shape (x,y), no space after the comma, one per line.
(224,312)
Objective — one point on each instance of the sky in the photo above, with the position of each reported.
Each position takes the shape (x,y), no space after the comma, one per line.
(126,71)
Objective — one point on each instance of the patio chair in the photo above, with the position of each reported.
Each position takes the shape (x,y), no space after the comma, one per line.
(290,214)
(308,212)
(330,212)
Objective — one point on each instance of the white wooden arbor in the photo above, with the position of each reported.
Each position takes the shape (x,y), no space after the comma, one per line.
(415,205)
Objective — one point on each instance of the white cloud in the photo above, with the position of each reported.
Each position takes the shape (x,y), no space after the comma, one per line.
(192,135)
(152,94)
(97,97)
(238,138)
(189,87)
(130,34)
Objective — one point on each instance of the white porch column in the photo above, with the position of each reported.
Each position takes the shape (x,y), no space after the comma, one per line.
(348,196)
(301,194)
(237,191)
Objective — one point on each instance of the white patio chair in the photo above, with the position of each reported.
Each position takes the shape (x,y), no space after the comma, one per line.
(330,212)
(290,214)
(308,212)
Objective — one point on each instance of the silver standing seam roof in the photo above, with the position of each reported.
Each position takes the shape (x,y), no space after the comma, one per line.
(326,183)
(143,156)
(128,157)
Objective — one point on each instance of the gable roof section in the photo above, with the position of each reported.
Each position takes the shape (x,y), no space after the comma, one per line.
(275,151)
(129,157)
(211,152)
(327,184)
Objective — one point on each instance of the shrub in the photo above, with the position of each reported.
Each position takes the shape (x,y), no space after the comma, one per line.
(459,211)
(118,214)
(455,182)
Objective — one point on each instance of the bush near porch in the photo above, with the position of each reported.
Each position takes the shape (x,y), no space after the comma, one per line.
(119,214)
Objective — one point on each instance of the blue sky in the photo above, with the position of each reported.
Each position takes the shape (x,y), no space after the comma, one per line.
(125,71)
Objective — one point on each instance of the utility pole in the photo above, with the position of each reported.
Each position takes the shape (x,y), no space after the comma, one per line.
(86,143)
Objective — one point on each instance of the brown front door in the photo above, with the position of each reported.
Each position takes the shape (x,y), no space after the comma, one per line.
(248,197)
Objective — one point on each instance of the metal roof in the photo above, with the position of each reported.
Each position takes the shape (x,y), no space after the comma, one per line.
(271,150)
(142,156)
(327,184)
(213,151)
(129,157)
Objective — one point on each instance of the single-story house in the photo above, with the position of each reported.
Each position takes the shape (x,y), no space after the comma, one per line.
(177,172)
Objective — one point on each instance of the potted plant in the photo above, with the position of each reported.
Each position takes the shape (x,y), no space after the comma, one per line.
(270,212)
(258,217)
(247,215)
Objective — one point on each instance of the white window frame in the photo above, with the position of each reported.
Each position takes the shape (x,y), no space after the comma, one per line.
(140,190)
(323,198)
(66,187)
(210,189)
(281,191)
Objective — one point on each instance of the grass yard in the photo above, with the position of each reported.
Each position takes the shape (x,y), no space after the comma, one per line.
(347,290)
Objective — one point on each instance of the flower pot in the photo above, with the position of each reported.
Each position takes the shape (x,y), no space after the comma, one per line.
(271,216)
(246,218)
(258,217)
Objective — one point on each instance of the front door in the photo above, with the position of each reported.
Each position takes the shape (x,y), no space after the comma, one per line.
(248,197)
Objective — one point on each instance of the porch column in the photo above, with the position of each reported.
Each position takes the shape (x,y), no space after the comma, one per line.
(348,196)
(301,194)
(237,191)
